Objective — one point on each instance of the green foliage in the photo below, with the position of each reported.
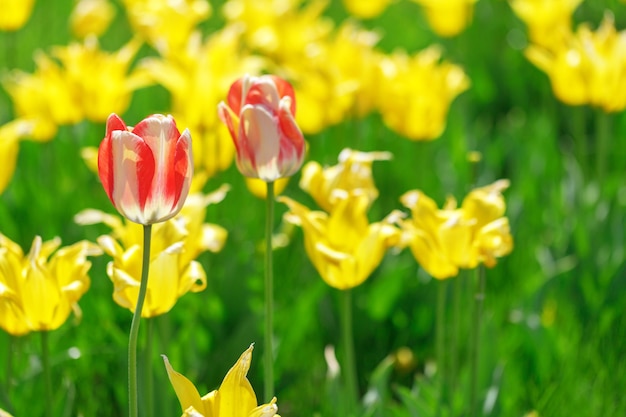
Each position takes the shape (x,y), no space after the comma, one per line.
(553,339)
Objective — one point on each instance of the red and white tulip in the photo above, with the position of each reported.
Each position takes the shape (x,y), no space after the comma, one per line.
(259,114)
(146,170)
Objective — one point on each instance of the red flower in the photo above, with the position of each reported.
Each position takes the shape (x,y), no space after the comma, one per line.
(260,117)
(146,170)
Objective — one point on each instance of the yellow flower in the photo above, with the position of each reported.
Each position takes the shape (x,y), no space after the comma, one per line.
(38,291)
(91,17)
(10,135)
(342,245)
(15,13)
(43,97)
(258,187)
(337,78)
(198,79)
(166,25)
(99,80)
(416,93)
(588,68)
(234,398)
(175,245)
(445,240)
(448,18)
(548,21)
(365,9)
(86,82)
(354,171)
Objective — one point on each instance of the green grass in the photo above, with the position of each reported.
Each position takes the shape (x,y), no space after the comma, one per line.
(568,229)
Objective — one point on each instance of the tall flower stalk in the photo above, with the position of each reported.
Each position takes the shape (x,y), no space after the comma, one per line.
(347,339)
(47,377)
(260,115)
(268,357)
(146,172)
(134,327)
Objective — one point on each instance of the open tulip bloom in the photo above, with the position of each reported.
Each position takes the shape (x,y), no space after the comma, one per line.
(146,170)
(234,398)
(260,115)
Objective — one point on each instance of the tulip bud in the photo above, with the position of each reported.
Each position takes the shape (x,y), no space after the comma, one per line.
(146,170)
(260,117)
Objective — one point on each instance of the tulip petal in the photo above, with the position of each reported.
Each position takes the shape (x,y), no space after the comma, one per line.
(187,394)
(260,139)
(236,393)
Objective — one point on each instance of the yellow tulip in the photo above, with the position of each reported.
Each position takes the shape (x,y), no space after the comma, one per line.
(354,171)
(588,67)
(175,245)
(258,187)
(38,291)
(100,80)
(448,18)
(444,240)
(234,398)
(43,97)
(416,93)
(91,17)
(365,9)
(166,25)
(548,21)
(15,13)
(342,245)
(337,79)
(10,135)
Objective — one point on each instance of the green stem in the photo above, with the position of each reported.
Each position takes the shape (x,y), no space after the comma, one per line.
(269,294)
(133,408)
(603,132)
(6,391)
(579,133)
(479,298)
(148,364)
(349,366)
(457,290)
(440,341)
(47,379)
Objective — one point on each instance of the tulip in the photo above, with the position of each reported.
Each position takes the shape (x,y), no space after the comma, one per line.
(146,170)
(40,290)
(365,9)
(260,117)
(416,92)
(15,13)
(10,135)
(548,21)
(91,17)
(166,25)
(176,243)
(354,171)
(234,398)
(448,18)
(444,240)
(342,245)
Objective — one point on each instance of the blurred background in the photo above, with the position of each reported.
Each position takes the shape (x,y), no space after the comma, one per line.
(535,87)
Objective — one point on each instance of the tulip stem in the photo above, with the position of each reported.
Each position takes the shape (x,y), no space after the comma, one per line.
(269,295)
(440,341)
(134,327)
(349,367)
(479,298)
(603,131)
(148,365)
(47,379)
